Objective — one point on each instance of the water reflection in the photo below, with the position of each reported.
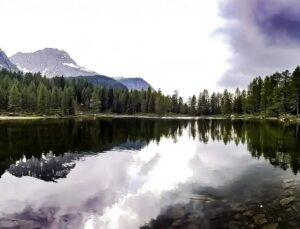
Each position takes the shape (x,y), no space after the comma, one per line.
(123,173)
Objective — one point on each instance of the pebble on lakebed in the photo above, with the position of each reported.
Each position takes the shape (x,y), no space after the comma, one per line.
(287,201)
(260,219)
(271,226)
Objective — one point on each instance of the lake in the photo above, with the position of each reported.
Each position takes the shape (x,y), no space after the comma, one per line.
(118,173)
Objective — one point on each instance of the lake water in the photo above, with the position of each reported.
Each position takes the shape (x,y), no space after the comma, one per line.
(149,173)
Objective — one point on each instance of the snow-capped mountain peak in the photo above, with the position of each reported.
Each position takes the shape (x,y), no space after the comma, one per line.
(50,62)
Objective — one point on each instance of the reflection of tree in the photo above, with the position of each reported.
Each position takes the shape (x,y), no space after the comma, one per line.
(277,143)
(274,141)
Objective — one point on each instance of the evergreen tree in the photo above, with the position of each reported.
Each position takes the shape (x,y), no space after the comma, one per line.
(294,96)
(14,99)
(95,102)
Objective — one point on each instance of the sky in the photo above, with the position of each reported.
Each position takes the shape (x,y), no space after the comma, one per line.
(184,45)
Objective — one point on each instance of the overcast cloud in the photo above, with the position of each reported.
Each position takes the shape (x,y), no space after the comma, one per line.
(263,36)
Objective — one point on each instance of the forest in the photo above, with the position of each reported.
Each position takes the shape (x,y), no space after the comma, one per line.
(32,93)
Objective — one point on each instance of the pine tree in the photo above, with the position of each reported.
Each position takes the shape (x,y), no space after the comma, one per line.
(294,96)
(42,98)
(14,99)
(95,102)
(226,102)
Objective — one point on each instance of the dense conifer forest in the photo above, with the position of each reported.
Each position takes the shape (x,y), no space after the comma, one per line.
(27,93)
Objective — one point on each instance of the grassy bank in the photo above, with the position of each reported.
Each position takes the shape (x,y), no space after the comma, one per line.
(282,118)
(21,117)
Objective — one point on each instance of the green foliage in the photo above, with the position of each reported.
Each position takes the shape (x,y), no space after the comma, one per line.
(14,98)
(33,94)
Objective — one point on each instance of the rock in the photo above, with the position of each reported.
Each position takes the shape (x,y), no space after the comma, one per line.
(237,207)
(233,225)
(271,226)
(260,219)
(294,208)
(289,210)
(294,223)
(288,192)
(237,216)
(287,201)
(193,226)
(288,185)
(248,213)
(279,219)
(288,181)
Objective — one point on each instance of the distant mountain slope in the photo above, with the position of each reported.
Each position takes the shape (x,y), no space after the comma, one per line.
(50,62)
(104,81)
(135,83)
(6,63)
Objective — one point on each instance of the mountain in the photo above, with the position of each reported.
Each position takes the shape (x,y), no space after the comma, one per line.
(6,63)
(135,83)
(103,81)
(54,62)
(50,62)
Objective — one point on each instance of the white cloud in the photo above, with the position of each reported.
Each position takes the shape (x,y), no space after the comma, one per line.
(167,42)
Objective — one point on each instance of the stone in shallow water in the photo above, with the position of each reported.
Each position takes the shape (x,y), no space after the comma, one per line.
(271,226)
(288,180)
(294,208)
(260,219)
(288,185)
(193,226)
(289,192)
(279,219)
(248,213)
(287,201)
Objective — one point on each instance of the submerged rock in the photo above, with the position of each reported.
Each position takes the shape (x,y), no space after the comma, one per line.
(193,226)
(287,201)
(248,213)
(260,219)
(271,226)
(288,185)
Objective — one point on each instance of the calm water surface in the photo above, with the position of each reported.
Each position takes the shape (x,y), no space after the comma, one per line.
(144,173)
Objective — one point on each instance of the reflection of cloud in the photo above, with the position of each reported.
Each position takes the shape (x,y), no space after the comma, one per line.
(125,189)
(216,165)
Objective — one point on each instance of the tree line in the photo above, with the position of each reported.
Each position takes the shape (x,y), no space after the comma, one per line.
(32,93)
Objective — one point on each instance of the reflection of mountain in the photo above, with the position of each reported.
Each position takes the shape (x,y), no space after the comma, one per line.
(48,168)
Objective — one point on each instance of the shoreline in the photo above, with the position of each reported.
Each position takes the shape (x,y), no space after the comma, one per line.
(283,119)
